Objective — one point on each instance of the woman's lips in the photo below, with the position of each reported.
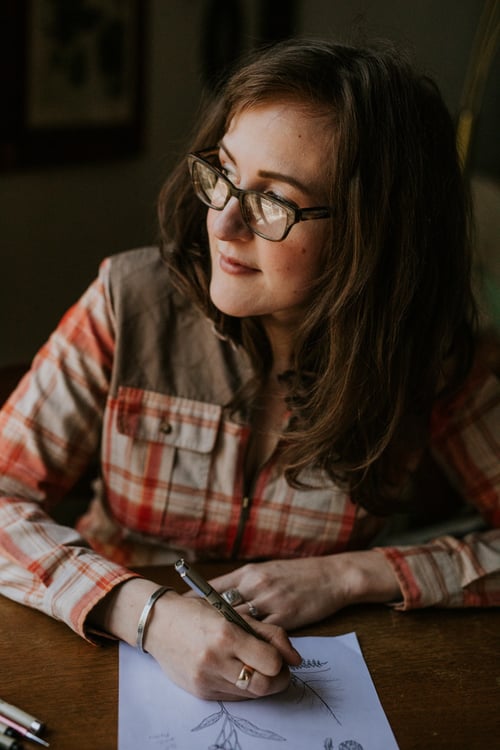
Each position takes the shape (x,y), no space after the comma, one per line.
(234,267)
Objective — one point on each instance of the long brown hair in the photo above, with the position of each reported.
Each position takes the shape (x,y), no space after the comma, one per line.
(391,317)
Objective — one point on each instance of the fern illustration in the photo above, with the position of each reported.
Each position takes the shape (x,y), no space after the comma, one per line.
(310,664)
(306,684)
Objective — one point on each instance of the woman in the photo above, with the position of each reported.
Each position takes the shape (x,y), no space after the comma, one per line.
(267,389)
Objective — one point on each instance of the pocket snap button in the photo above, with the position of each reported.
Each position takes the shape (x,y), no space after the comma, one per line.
(165,427)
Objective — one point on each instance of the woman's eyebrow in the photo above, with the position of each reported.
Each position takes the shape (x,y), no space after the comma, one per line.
(270,174)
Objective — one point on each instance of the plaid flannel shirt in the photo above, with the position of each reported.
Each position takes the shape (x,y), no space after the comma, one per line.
(135,377)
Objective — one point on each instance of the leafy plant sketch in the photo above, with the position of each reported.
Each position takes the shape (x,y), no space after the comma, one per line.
(228,738)
(306,686)
(346,745)
(312,667)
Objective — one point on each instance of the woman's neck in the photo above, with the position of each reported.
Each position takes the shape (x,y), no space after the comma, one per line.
(266,425)
(281,341)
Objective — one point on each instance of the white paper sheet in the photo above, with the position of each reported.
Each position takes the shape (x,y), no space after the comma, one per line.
(331,704)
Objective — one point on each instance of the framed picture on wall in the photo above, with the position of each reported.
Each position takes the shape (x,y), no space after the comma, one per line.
(72,76)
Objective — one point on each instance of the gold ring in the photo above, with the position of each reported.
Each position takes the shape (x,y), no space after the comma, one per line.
(244,677)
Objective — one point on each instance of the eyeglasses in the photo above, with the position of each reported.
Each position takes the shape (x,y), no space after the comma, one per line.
(269,217)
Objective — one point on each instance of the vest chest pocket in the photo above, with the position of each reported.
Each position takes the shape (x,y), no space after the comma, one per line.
(158,471)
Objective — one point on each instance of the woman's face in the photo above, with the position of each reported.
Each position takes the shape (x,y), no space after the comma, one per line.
(274,148)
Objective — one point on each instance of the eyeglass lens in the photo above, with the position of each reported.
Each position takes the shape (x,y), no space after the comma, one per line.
(263,215)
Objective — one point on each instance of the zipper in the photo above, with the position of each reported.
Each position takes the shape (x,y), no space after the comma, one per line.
(247,485)
(245,510)
(246,502)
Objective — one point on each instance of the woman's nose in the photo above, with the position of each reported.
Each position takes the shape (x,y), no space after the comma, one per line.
(228,223)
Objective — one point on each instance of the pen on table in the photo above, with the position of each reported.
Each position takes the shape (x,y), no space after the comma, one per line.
(22,717)
(22,730)
(203,588)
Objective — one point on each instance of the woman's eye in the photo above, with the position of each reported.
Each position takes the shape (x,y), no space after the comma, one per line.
(273,194)
(227,171)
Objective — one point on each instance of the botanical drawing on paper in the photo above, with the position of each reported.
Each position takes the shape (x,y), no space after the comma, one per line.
(228,737)
(309,686)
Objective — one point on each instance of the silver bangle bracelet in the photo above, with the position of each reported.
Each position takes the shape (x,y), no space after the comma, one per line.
(146,614)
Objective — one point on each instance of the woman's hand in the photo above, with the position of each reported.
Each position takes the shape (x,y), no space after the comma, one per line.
(204,653)
(293,593)
(199,650)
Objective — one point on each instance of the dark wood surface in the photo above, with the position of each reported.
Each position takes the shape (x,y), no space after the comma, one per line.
(437,673)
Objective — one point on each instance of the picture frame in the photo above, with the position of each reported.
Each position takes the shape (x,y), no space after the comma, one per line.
(72,73)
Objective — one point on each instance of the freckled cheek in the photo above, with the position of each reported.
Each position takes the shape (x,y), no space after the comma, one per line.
(292,276)
(298,265)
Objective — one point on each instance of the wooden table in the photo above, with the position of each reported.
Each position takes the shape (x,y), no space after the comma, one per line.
(437,673)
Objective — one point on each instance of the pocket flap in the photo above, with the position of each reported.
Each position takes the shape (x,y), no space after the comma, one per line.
(180,422)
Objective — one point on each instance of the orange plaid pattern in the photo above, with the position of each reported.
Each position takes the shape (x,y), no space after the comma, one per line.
(116,381)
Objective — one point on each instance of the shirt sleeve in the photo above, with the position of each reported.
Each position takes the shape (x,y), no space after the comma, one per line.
(465,440)
(49,432)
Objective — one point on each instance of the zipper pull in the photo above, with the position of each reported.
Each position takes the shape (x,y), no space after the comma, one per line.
(245,508)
